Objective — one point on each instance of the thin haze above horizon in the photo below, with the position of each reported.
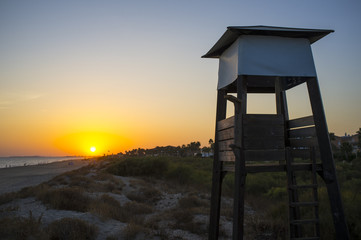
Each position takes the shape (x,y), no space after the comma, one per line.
(116,75)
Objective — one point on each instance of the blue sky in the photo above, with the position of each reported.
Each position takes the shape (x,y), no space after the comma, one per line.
(133,67)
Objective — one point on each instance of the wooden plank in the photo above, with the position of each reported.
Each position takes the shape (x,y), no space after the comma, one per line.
(302,132)
(266,155)
(263,119)
(225,123)
(227,156)
(263,130)
(261,168)
(303,142)
(226,134)
(303,153)
(254,155)
(301,122)
(224,145)
(253,143)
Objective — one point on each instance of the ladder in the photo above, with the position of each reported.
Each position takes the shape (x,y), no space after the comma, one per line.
(303,213)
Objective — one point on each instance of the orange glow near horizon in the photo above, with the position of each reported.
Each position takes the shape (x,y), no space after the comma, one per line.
(91,143)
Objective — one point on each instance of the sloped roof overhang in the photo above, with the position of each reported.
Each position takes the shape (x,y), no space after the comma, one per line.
(233,32)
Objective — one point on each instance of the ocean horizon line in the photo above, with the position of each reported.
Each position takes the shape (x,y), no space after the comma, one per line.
(41,156)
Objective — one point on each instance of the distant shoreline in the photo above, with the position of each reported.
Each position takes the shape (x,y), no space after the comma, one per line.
(15,178)
(40,156)
(10,162)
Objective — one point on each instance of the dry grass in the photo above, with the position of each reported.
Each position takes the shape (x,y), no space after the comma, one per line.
(21,228)
(107,207)
(180,217)
(132,230)
(192,202)
(145,195)
(135,208)
(185,220)
(65,198)
(71,229)
(7,197)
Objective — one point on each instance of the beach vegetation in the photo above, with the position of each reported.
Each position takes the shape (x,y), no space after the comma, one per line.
(145,195)
(107,207)
(191,202)
(71,229)
(175,170)
(186,181)
(134,208)
(150,167)
(68,198)
(7,197)
(133,230)
(18,228)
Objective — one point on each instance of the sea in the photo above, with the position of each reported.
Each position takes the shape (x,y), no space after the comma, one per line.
(7,162)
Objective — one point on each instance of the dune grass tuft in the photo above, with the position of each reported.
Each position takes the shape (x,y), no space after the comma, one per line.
(71,229)
(21,228)
(107,207)
(145,195)
(65,198)
(133,230)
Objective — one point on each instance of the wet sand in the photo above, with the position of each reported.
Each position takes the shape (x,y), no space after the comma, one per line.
(15,178)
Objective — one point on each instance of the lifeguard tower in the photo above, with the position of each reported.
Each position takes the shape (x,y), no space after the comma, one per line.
(263,59)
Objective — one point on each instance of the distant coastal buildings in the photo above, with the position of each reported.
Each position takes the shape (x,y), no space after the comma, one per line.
(353,140)
(346,144)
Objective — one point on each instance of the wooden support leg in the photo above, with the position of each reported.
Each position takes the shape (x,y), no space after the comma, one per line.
(239,189)
(240,109)
(217,173)
(215,201)
(329,171)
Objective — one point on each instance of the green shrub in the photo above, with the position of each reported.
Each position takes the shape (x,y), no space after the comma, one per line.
(262,183)
(182,171)
(277,193)
(139,167)
(181,174)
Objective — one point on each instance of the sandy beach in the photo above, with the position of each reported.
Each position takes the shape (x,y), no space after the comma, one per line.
(16,178)
(114,206)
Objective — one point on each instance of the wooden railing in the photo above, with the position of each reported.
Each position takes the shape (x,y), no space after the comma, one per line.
(263,138)
(302,136)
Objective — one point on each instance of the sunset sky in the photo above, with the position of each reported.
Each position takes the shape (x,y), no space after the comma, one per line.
(117,75)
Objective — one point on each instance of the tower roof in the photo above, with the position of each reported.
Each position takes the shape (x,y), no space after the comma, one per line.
(233,32)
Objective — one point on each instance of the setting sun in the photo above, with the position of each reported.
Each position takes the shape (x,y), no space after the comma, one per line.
(91,143)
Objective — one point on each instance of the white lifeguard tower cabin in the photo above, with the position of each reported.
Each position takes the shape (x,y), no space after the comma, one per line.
(263,59)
